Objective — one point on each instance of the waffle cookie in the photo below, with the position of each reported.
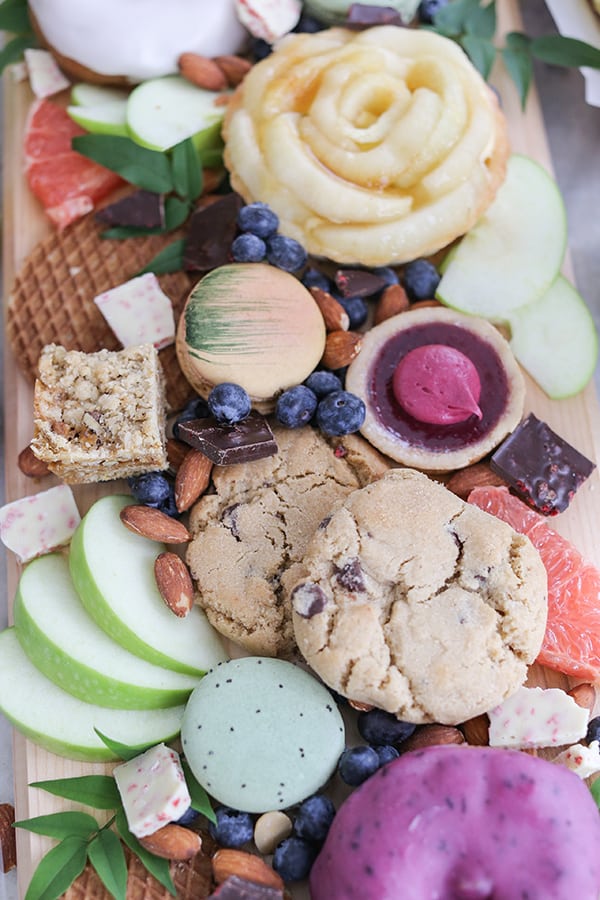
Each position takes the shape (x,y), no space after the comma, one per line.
(52,297)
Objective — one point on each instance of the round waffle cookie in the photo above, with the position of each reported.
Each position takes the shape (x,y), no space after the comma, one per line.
(52,297)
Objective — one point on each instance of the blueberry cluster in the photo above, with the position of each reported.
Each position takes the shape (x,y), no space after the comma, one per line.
(321,399)
(383,732)
(260,241)
(154,489)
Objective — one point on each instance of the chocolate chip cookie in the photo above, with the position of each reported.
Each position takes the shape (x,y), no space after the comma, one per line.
(249,537)
(416,603)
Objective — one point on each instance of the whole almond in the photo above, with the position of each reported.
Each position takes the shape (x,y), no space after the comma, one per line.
(478,475)
(153,524)
(432,736)
(173,842)
(176,453)
(341,347)
(227,862)
(174,583)
(8,842)
(202,71)
(30,465)
(235,68)
(477,730)
(334,315)
(584,695)
(393,301)
(192,479)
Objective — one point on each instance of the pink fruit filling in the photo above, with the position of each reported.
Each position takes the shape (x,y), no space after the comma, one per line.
(437,384)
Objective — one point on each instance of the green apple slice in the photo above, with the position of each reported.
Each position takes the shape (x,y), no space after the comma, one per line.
(515,251)
(113,572)
(107,118)
(555,340)
(84,94)
(65,725)
(162,112)
(70,649)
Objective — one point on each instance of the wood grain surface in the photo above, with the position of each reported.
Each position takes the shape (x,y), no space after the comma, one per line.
(577,419)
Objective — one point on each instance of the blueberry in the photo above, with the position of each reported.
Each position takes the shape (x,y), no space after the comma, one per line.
(593,730)
(152,488)
(313,278)
(314,818)
(293,858)
(309,25)
(188,818)
(168,506)
(357,764)
(420,280)
(323,382)
(233,828)
(296,406)
(248,248)
(258,219)
(286,253)
(229,402)
(388,275)
(380,727)
(427,10)
(357,310)
(260,49)
(195,409)
(340,413)
(386,753)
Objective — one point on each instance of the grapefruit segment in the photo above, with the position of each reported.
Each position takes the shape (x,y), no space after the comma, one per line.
(67,183)
(572,640)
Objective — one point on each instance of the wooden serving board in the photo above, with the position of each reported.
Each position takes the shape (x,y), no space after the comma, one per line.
(577,419)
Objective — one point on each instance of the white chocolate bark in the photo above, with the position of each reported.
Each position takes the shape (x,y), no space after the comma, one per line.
(537,717)
(153,790)
(139,312)
(40,523)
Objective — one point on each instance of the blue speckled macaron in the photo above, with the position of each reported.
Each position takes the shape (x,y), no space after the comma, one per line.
(261,734)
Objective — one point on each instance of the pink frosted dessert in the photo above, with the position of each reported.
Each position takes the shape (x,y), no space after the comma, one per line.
(463,823)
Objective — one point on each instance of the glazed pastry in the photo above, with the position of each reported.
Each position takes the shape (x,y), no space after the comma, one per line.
(373,147)
(410,603)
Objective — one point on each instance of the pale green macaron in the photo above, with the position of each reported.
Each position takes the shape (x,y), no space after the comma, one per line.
(261,734)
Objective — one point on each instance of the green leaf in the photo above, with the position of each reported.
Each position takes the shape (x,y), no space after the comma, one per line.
(213,159)
(482,21)
(58,870)
(452,19)
(122,750)
(168,260)
(120,233)
(14,18)
(156,866)
(186,170)
(145,168)
(61,825)
(519,64)
(106,854)
(200,801)
(565,51)
(98,791)
(176,212)
(481,53)
(13,50)
(595,789)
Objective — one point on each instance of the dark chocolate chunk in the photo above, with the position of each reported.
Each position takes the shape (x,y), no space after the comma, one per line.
(362,15)
(236,888)
(541,467)
(210,234)
(350,576)
(142,209)
(358,283)
(225,445)
(308,599)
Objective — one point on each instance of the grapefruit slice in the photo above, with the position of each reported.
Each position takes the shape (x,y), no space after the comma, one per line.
(572,640)
(67,183)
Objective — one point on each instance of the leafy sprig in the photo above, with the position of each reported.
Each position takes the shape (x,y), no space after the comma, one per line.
(82,839)
(472,24)
(14,19)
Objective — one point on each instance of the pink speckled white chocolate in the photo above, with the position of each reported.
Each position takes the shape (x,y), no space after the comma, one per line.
(40,523)
(537,717)
(582,760)
(153,790)
(268,19)
(45,77)
(139,312)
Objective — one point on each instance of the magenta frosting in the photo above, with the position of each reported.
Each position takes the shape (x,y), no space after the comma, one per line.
(438,384)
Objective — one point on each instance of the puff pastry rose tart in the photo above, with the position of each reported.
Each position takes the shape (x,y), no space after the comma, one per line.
(373,147)
(131,40)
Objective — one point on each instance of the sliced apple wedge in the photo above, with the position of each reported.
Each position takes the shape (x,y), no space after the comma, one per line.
(555,340)
(515,251)
(113,573)
(70,649)
(107,118)
(84,94)
(65,725)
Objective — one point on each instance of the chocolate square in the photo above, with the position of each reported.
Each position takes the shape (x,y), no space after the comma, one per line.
(542,468)
(225,445)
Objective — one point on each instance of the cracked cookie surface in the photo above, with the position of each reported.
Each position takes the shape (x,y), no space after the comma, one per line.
(415,603)
(249,537)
